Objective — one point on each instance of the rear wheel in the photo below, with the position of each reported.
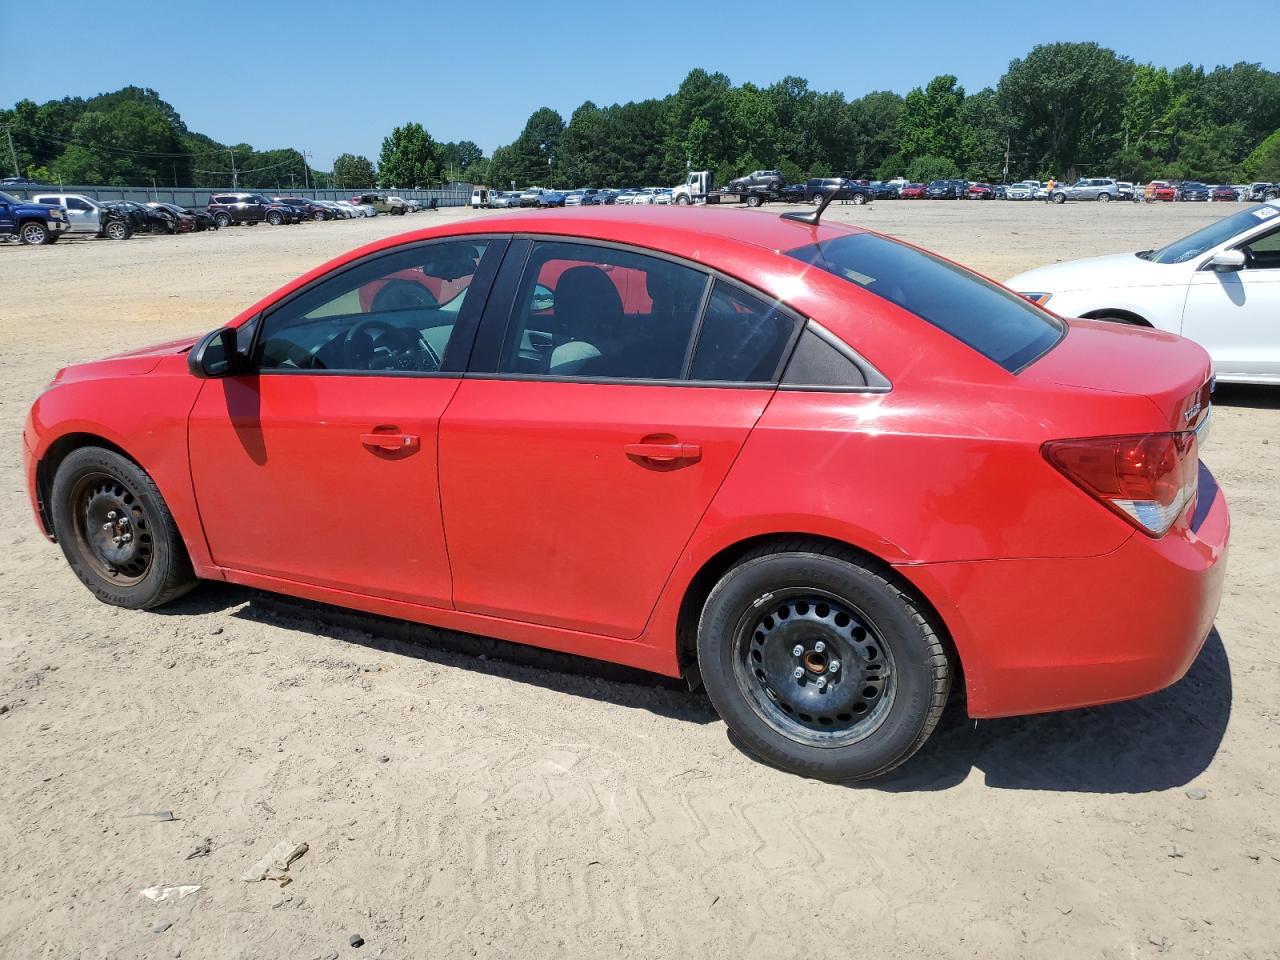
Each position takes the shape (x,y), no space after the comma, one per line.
(1059,198)
(34,233)
(859,199)
(1104,198)
(753,200)
(820,663)
(116,531)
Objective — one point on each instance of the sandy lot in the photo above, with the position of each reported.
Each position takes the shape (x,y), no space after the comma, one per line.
(465,798)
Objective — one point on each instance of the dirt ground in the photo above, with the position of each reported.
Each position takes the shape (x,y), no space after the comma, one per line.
(466,798)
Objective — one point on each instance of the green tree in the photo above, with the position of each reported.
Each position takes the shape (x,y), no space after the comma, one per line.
(1065,101)
(930,167)
(457,159)
(930,121)
(352,170)
(408,158)
(1264,162)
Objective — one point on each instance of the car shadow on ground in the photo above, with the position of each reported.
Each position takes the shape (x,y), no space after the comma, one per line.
(1247,395)
(1154,743)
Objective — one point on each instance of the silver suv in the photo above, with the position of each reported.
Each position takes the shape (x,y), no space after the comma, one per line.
(1096,188)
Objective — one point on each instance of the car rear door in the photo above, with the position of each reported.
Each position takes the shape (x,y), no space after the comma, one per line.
(610,392)
(318,464)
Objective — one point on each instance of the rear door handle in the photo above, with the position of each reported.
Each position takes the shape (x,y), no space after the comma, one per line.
(664,452)
(390,441)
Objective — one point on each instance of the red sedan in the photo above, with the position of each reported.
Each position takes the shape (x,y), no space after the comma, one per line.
(826,474)
(912,191)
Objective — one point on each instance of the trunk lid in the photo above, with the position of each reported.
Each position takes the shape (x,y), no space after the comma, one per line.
(1175,373)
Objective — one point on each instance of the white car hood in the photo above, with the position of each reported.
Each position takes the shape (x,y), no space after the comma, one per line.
(1115,270)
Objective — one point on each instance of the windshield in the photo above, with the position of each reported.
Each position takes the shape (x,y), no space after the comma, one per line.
(1180,251)
(996,322)
(7,198)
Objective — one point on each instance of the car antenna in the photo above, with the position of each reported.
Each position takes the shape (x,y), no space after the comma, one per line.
(813,216)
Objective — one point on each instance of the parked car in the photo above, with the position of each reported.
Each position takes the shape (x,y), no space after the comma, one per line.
(20,182)
(1263,191)
(529,196)
(1159,190)
(85,215)
(913,191)
(30,222)
(999,191)
(1022,190)
(339,212)
(662,196)
(357,209)
(500,200)
(768,179)
(1193,190)
(308,208)
(203,219)
(943,190)
(1220,286)
(178,220)
(980,191)
(550,198)
(1126,190)
(381,203)
(906,477)
(818,187)
(886,191)
(144,217)
(250,208)
(625,197)
(1224,191)
(1101,189)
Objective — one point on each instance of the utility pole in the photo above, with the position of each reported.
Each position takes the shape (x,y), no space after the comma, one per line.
(13,155)
(306,181)
(235,182)
(1007,144)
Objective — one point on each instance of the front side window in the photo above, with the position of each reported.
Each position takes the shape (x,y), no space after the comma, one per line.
(584,311)
(74,203)
(1218,232)
(392,313)
(996,322)
(1263,253)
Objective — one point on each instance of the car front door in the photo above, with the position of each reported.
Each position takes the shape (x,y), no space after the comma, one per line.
(1236,315)
(318,464)
(610,393)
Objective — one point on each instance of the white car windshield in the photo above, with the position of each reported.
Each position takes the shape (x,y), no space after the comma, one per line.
(1180,251)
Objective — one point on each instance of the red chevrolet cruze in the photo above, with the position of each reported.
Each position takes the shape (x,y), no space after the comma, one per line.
(826,474)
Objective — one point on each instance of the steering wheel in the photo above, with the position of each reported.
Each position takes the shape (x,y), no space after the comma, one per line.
(402,345)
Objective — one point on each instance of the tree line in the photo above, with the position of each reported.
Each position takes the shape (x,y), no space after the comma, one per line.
(1063,110)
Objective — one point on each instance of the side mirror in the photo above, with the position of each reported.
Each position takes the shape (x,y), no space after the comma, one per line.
(214,355)
(1227,261)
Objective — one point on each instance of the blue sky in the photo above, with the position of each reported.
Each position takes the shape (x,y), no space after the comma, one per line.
(479,76)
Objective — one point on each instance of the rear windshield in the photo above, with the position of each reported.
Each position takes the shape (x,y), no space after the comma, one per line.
(999,324)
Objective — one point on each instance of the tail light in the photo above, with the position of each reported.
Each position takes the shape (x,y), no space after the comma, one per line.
(1148,478)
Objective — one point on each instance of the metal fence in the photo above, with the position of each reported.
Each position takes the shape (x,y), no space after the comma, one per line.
(450,195)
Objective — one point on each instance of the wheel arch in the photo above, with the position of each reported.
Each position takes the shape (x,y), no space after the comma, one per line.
(1128,316)
(718,564)
(58,451)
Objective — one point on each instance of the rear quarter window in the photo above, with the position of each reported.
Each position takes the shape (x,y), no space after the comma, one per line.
(994,321)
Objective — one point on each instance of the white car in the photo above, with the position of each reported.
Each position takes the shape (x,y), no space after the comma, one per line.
(1220,287)
(1022,190)
(357,209)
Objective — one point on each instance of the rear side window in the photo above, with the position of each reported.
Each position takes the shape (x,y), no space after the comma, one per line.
(742,338)
(994,321)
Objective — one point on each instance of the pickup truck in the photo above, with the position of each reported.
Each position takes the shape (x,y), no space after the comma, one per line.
(30,223)
(381,203)
(88,216)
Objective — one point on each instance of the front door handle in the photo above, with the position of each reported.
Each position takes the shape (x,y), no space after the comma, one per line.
(390,442)
(664,452)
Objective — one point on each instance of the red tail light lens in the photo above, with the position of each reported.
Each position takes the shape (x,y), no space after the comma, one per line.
(1148,478)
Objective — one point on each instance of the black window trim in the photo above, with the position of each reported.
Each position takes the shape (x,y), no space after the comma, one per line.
(468,317)
(500,314)
(876,382)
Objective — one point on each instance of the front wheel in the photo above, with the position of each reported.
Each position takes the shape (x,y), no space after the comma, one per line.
(317,216)
(274,218)
(683,200)
(753,200)
(118,230)
(1059,198)
(34,233)
(859,199)
(1104,198)
(116,531)
(821,664)
(221,220)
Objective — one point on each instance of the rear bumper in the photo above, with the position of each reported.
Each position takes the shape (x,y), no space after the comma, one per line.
(1041,635)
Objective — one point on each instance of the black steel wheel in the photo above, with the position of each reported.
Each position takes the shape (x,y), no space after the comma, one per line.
(820,662)
(116,530)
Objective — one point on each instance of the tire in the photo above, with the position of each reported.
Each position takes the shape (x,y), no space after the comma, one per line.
(1059,198)
(859,199)
(1104,198)
(33,233)
(221,220)
(683,200)
(816,199)
(753,200)
(317,216)
(274,218)
(117,230)
(879,703)
(99,495)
